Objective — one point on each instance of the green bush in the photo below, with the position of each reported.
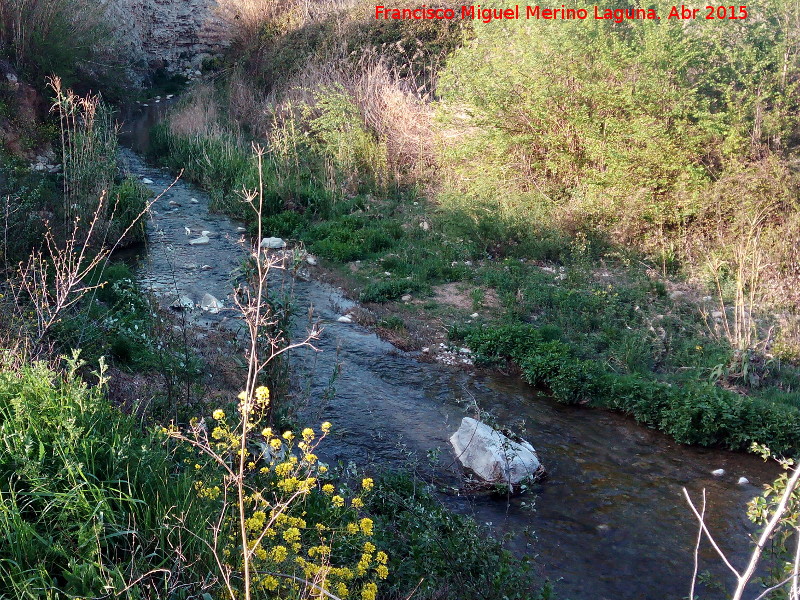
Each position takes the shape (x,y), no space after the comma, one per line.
(690,412)
(446,554)
(386,291)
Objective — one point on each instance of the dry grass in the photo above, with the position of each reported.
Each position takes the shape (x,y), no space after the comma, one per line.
(198,116)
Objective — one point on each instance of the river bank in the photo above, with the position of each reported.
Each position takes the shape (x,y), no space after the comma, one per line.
(612,503)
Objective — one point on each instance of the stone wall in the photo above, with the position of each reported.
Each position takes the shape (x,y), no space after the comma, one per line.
(176,35)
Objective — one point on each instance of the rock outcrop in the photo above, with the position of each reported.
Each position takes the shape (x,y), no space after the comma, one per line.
(173,35)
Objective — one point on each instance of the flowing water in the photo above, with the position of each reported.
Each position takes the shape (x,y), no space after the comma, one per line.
(610,522)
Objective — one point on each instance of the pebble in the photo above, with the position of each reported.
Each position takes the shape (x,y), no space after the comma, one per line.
(311,260)
(206,267)
(718,472)
(194,200)
(474,316)
(344,319)
(187,230)
(406,298)
(145,180)
(426,350)
(743,481)
(202,240)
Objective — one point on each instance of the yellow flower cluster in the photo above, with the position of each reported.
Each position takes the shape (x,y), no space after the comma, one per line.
(277,477)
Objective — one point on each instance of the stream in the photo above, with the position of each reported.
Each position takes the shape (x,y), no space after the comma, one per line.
(609,522)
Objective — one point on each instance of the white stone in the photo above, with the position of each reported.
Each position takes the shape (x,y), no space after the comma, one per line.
(206,267)
(718,472)
(424,226)
(311,260)
(240,228)
(474,316)
(426,350)
(194,200)
(743,481)
(205,233)
(145,180)
(344,319)
(183,303)
(272,242)
(211,304)
(202,240)
(187,230)
(173,203)
(406,298)
(491,455)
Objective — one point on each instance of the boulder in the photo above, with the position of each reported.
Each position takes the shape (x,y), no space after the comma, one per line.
(492,456)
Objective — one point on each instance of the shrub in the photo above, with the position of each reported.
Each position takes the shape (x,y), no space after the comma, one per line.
(446,554)
(690,412)
(386,291)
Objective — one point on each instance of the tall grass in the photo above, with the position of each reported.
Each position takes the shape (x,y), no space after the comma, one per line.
(89,501)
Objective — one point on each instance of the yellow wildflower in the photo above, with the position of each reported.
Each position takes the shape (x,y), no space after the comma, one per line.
(366,525)
(267,432)
(279,554)
(357,503)
(341,590)
(328,488)
(326,427)
(381,557)
(262,394)
(269,583)
(337,501)
(369,592)
(308,434)
(382,571)
(367,483)
(218,414)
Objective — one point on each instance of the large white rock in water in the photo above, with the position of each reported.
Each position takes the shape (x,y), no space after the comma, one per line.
(491,455)
(273,242)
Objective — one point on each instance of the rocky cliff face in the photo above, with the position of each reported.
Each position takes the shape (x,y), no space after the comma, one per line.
(176,35)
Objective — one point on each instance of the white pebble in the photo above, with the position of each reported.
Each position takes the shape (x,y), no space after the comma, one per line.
(743,481)
(147,181)
(718,472)
(344,319)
